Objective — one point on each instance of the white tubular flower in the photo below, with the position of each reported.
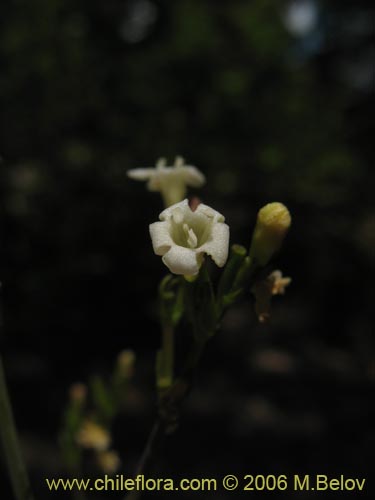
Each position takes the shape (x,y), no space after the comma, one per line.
(183,237)
(170,181)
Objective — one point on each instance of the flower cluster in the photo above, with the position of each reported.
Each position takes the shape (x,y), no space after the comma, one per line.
(184,235)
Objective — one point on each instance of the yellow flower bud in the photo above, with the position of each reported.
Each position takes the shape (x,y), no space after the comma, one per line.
(272,224)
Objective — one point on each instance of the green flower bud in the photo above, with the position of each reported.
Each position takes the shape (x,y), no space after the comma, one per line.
(272,224)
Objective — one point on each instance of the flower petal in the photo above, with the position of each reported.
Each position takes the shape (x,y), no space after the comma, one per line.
(218,244)
(172,190)
(192,176)
(210,212)
(167,213)
(180,260)
(141,174)
(161,239)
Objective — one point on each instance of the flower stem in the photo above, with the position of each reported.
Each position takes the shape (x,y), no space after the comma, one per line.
(175,396)
(154,441)
(165,359)
(154,437)
(168,348)
(10,444)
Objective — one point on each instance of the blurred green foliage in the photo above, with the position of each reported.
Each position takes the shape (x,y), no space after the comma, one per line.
(89,89)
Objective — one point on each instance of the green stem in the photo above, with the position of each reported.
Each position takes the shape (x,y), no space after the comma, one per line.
(193,358)
(168,348)
(159,431)
(10,444)
(236,257)
(165,359)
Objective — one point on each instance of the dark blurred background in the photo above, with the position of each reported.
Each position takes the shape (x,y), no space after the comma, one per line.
(273,101)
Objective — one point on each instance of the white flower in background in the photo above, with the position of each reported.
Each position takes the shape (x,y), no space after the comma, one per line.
(183,237)
(92,435)
(108,461)
(170,181)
